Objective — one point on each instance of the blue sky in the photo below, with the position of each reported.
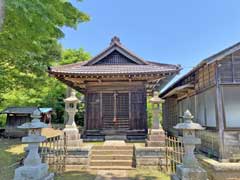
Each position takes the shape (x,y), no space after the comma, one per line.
(168,31)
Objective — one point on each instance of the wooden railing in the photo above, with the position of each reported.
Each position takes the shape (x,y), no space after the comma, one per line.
(53,151)
(174,153)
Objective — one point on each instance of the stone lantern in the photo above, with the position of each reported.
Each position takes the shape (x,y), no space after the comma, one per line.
(33,168)
(156,135)
(71,108)
(190,168)
(71,130)
(156,108)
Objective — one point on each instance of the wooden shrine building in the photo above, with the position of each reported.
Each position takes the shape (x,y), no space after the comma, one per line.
(115,84)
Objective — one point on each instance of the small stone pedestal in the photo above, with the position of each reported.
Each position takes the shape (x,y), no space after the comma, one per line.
(189,169)
(33,169)
(156,135)
(73,137)
(71,130)
(156,138)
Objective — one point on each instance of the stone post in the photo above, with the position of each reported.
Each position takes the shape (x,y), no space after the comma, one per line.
(33,169)
(156,135)
(71,130)
(189,169)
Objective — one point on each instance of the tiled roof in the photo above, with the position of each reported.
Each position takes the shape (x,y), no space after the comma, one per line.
(80,69)
(218,56)
(19,110)
(45,110)
(116,59)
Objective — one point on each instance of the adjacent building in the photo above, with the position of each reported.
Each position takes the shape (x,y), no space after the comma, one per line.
(211,91)
(17,116)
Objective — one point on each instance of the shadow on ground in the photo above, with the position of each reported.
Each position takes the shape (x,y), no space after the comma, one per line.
(138,174)
(84,175)
(11,153)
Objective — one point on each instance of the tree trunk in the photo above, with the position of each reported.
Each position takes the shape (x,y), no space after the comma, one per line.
(1,13)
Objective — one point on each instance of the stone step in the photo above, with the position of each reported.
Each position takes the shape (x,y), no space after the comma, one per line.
(112,157)
(112,152)
(115,137)
(111,163)
(118,122)
(111,167)
(112,148)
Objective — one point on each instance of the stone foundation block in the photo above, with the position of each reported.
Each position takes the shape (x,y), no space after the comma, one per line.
(150,156)
(156,132)
(72,133)
(156,138)
(183,173)
(219,170)
(155,143)
(150,161)
(39,172)
(73,137)
(150,151)
(74,143)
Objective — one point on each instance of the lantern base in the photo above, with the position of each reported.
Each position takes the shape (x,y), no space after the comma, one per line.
(156,138)
(39,172)
(183,173)
(73,137)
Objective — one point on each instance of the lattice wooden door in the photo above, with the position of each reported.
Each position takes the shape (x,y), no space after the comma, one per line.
(108,110)
(115,110)
(122,111)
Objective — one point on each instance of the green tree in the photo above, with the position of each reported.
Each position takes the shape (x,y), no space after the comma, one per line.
(70,56)
(28,45)
(49,93)
(29,38)
(1,12)
(56,90)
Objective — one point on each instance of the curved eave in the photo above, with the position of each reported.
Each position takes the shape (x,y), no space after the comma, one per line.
(78,74)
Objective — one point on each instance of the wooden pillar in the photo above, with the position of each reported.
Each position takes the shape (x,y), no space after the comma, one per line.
(115,108)
(220,115)
(85,113)
(145,123)
(130,110)
(101,113)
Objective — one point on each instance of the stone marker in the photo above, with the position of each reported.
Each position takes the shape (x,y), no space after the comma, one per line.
(71,130)
(190,168)
(156,135)
(33,169)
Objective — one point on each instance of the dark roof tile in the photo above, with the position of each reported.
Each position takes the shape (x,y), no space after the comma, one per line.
(19,110)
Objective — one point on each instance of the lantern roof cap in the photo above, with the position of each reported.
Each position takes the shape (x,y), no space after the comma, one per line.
(156,98)
(72,98)
(188,124)
(35,123)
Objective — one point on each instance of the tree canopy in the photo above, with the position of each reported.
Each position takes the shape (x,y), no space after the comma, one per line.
(49,93)
(29,38)
(29,43)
